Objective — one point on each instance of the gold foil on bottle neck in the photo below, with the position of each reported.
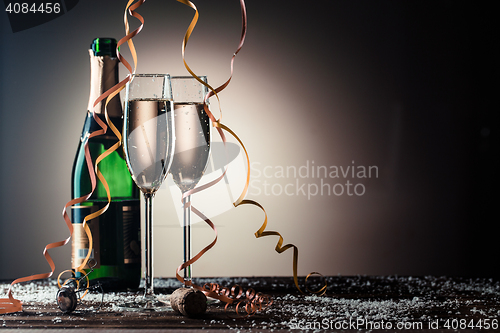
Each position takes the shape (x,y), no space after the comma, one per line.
(103,76)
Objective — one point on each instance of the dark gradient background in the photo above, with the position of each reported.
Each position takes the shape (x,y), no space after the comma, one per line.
(407,86)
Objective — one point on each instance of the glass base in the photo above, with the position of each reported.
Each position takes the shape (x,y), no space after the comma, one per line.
(146,304)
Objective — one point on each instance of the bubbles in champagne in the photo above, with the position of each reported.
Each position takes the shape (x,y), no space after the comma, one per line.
(149,143)
(192,147)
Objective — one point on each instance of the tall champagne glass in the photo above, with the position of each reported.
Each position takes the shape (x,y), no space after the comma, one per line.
(148,142)
(192,147)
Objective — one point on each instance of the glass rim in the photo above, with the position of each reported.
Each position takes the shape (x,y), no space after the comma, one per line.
(150,75)
(187,77)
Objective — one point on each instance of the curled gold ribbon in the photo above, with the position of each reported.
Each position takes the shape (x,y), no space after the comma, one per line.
(213,290)
(251,300)
(13,305)
(107,96)
(9,305)
(250,307)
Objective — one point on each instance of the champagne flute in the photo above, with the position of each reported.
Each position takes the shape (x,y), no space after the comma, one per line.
(192,147)
(148,142)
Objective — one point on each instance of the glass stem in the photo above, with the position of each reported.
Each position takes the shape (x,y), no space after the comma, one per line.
(187,238)
(148,246)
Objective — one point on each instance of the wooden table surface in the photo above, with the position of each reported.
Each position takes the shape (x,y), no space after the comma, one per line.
(351,303)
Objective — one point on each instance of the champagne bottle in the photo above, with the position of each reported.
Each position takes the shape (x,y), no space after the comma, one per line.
(116,233)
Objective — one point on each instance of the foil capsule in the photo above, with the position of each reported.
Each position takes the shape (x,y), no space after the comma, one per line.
(66,299)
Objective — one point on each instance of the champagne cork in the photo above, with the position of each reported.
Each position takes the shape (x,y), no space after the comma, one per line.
(189,302)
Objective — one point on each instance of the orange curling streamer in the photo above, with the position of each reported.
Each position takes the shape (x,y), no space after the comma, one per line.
(240,201)
(108,95)
(252,304)
(9,305)
(115,90)
(13,305)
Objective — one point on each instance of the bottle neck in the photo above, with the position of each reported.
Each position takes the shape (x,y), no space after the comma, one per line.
(103,76)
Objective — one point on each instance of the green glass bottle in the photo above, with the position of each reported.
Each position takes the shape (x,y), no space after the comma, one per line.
(116,233)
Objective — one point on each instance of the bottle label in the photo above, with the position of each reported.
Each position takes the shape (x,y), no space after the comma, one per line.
(131,233)
(80,240)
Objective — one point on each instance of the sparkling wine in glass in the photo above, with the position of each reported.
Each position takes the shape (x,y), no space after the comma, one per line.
(192,147)
(148,142)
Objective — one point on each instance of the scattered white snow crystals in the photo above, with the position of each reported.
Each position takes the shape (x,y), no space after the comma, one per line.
(408,300)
